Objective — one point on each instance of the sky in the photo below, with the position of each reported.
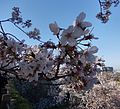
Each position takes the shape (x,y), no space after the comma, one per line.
(64,12)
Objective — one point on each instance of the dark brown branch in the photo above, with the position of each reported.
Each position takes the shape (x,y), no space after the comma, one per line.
(51,84)
(3,32)
(6,64)
(58,77)
(9,69)
(58,66)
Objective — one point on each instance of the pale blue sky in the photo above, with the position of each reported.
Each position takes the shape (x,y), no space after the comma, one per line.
(43,12)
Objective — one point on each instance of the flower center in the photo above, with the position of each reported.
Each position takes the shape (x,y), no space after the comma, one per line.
(80,25)
(68,35)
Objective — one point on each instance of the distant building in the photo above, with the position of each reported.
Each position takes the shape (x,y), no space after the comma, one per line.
(107,69)
(118,71)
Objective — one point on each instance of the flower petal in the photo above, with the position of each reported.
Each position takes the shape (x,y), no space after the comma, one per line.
(68,30)
(77,32)
(93,50)
(63,40)
(72,42)
(80,17)
(54,28)
(91,58)
(86,24)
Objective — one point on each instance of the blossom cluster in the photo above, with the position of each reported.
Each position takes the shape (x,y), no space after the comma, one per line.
(78,65)
(105,12)
(73,68)
(16,18)
(106,95)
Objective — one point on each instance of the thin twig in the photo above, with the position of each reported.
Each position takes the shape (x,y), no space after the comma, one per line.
(20,29)
(100,4)
(14,37)
(5,20)
(3,32)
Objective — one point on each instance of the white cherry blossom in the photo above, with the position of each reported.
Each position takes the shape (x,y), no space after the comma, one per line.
(66,68)
(80,25)
(80,21)
(88,55)
(54,28)
(67,37)
(93,50)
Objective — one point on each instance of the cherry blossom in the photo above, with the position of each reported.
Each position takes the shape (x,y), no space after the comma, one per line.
(67,37)
(105,12)
(73,68)
(34,34)
(81,25)
(54,28)
(93,50)
(80,21)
